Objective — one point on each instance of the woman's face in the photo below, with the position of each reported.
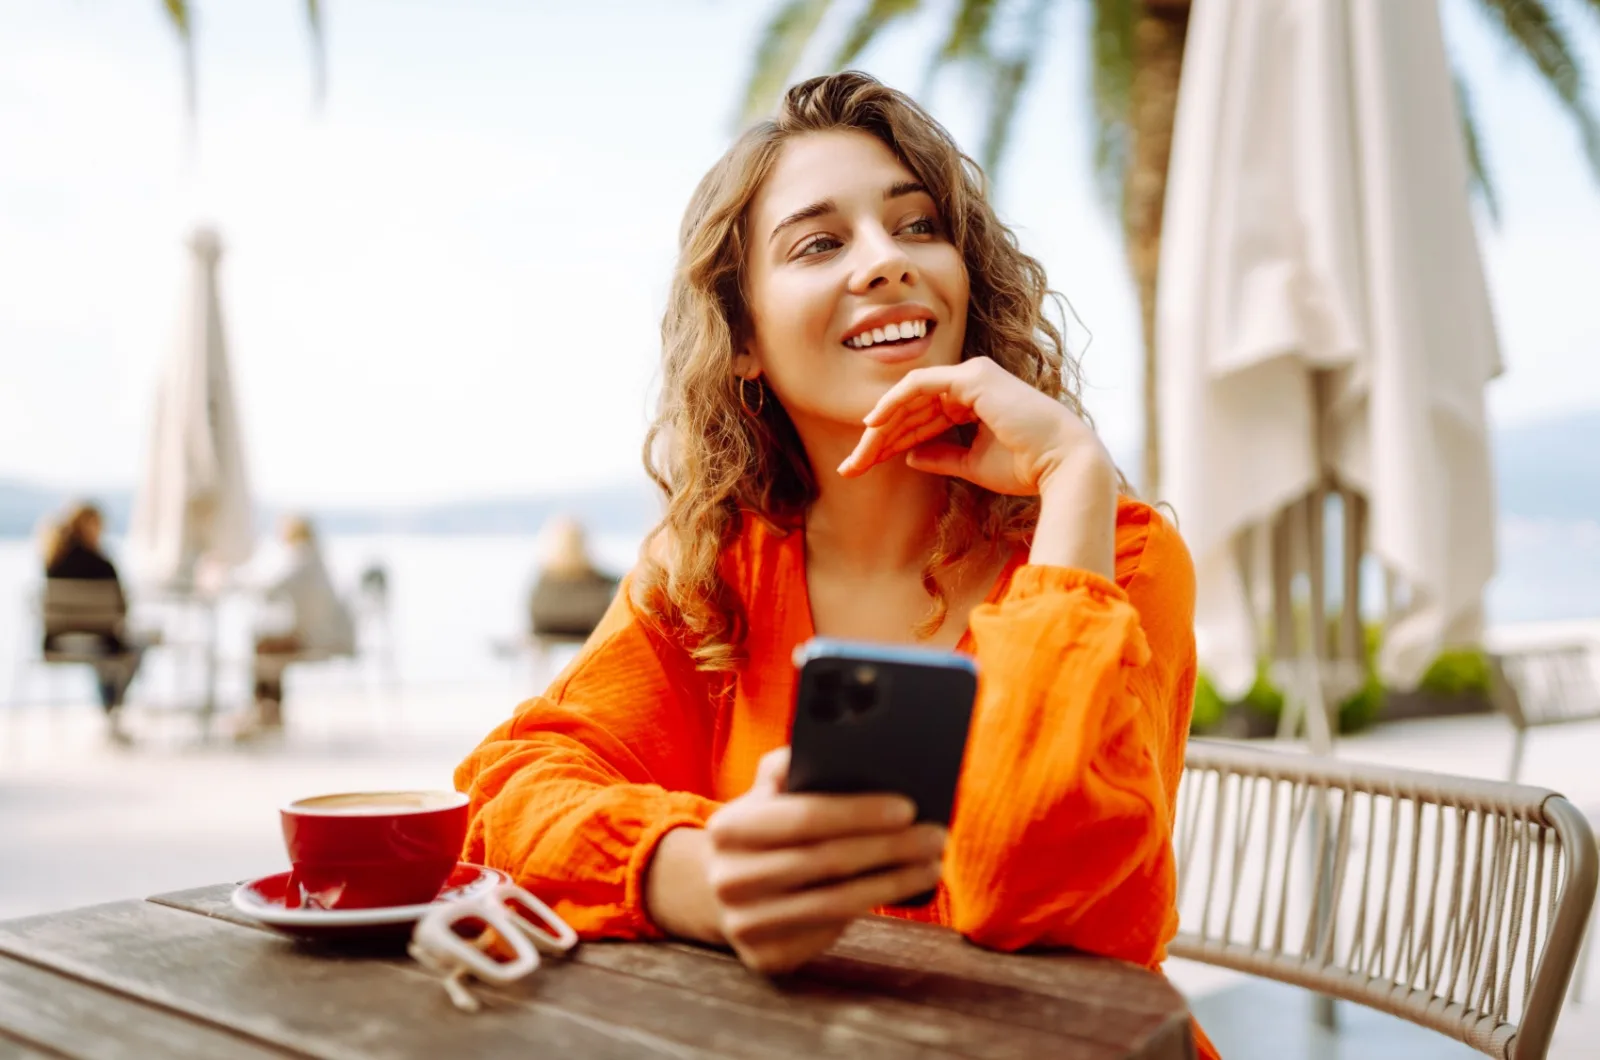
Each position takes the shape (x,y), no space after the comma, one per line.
(846,250)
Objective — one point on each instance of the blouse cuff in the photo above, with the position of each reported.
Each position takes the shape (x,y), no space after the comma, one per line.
(680,810)
(1033,580)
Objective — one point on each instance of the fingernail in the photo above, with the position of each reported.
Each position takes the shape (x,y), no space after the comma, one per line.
(904,811)
(937,839)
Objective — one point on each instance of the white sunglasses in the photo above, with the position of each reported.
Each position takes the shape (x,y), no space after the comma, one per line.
(453,939)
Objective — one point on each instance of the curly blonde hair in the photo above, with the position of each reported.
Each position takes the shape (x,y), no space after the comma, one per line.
(719,465)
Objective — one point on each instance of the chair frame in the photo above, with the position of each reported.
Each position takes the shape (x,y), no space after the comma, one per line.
(1512,848)
(71,607)
(1540,686)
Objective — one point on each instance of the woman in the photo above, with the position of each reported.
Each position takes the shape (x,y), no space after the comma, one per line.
(72,553)
(305,617)
(867,429)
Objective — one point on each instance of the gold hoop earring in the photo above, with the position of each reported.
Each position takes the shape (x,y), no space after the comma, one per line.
(761,397)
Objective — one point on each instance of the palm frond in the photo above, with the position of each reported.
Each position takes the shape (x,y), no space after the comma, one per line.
(1008,78)
(319,53)
(1540,38)
(179,15)
(1006,83)
(969,29)
(1111,92)
(1477,163)
(878,15)
(783,41)
(967,40)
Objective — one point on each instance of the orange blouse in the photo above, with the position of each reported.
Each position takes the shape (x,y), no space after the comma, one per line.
(1063,829)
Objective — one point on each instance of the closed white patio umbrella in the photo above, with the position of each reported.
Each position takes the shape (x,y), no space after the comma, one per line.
(194,500)
(1323,321)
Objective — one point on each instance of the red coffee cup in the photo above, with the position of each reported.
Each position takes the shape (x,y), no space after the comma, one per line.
(370,849)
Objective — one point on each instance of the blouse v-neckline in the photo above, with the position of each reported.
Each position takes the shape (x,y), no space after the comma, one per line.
(795,545)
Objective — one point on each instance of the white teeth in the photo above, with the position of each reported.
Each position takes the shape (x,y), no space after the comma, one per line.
(910,329)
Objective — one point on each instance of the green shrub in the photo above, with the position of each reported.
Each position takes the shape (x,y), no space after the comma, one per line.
(1208,705)
(1263,698)
(1457,672)
(1361,709)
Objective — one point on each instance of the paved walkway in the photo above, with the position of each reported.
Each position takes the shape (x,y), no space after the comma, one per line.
(86,822)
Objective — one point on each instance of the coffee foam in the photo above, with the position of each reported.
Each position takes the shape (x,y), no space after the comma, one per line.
(377,803)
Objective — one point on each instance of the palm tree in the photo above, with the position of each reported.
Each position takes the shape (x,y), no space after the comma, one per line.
(1135,59)
(180,13)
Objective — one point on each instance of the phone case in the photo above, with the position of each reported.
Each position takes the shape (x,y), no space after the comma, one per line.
(882,718)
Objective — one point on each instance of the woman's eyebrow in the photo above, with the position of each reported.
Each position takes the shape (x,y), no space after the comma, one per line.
(904,187)
(898,189)
(805,213)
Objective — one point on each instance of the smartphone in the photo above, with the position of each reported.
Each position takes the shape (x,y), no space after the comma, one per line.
(874,718)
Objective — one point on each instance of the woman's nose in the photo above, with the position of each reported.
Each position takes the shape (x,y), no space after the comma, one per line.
(884,262)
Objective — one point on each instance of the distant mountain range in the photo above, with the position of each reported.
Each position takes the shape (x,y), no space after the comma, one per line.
(623,508)
(1547,470)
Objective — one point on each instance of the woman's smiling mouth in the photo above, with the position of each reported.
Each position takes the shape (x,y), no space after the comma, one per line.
(895,342)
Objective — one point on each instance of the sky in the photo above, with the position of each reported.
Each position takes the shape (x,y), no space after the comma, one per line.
(447,281)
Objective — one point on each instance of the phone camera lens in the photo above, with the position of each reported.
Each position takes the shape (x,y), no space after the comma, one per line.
(862,693)
(826,705)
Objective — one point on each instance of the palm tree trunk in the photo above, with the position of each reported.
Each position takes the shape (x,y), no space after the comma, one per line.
(1157,63)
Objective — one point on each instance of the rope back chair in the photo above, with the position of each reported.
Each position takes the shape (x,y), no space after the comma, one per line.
(1454,903)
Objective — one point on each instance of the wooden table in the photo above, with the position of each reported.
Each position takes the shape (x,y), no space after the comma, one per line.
(183,975)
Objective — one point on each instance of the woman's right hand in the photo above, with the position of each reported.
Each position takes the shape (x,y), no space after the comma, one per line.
(787,873)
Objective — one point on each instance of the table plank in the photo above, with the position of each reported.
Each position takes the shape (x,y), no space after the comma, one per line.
(912,982)
(649,1018)
(323,1006)
(837,1009)
(833,1022)
(1063,975)
(11,1049)
(61,1016)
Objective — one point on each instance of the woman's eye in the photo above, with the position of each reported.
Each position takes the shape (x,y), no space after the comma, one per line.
(819,245)
(922,226)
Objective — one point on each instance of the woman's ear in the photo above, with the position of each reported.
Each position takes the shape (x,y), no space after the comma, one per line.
(746,365)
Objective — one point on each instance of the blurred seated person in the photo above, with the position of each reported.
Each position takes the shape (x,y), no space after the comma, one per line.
(303,619)
(570,594)
(72,553)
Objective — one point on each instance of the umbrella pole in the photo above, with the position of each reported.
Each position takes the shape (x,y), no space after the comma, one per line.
(1320,729)
(1299,655)
(208,706)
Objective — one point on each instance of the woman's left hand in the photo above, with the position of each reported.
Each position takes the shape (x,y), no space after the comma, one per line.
(1024,436)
